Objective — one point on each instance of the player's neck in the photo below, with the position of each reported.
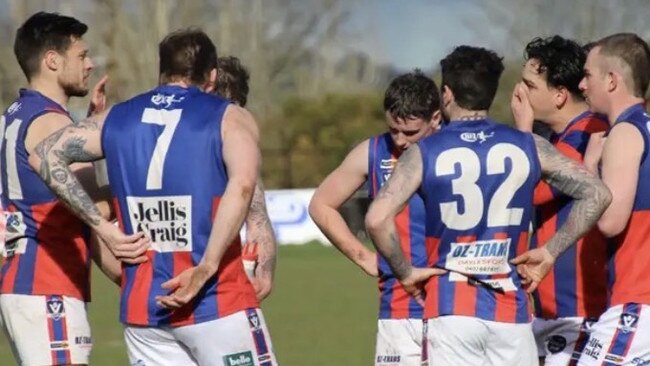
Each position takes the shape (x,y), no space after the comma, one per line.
(51,90)
(460,114)
(619,105)
(559,122)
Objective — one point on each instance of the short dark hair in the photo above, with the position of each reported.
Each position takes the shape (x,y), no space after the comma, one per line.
(632,51)
(187,54)
(472,74)
(44,32)
(561,61)
(232,80)
(412,95)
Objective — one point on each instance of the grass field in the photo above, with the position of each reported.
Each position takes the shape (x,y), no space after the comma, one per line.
(322,312)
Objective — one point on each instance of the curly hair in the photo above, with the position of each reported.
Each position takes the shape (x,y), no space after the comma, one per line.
(561,61)
(472,74)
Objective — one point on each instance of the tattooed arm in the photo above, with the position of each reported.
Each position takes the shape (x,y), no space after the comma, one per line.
(380,220)
(259,230)
(51,158)
(591,198)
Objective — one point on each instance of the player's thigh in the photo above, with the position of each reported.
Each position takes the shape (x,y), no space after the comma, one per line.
(558,339)
(238,339)
(456,340)
(46,330)
(510,344)
(399,342)
(620,337)
(149,346)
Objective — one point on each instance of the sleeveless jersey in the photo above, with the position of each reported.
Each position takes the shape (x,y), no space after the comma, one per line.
(629,264)
(395,303)
(46,245)
(577,284)
(165,166)
(478,183)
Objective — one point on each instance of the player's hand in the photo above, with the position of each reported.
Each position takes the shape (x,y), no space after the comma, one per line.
(522,111)
(414,282)
(263,284)
(98,97)
(185,286)
(594,151)
(369,265)
(533,266)
(129,249)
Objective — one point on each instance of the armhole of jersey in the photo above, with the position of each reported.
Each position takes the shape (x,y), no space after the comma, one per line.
(22,132)
(104,126)
(425,165)
(371,180)
(537,166)
(644,136)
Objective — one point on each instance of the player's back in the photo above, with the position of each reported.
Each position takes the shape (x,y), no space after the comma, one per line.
(46,245)
(395,302)
(165,167)
(629,265)
(478,183)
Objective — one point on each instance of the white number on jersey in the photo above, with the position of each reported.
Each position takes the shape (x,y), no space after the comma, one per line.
(10,134)
(169,119)
(464,185)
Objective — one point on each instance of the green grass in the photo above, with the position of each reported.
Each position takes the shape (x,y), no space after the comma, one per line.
(322,312)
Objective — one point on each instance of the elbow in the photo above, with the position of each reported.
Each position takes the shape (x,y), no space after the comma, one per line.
(375,221)
(611,227)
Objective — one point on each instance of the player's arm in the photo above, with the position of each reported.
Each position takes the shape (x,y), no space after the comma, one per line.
(51,159)
(332,193)
(260,231)
(380,220)
(104,259)
(621,159)
(591,197)
(241,156)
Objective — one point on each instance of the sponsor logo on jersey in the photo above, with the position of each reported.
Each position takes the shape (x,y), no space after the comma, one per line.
(388,360)
(15,107)
(480,257)
(628,322)
(481,137)
(593,348)
(57,346)
(55,308)
(556,343)
(166,220)
(254,320)
(239,359)
(165,100)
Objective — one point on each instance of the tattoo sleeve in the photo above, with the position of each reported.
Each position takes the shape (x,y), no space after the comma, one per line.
(392,198)
(591,196)
(56,153)
(260,230)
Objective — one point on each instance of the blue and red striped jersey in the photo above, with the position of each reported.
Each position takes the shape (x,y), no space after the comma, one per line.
(395,303)
(46,245)
(477,185)
(577,284)
(165,166)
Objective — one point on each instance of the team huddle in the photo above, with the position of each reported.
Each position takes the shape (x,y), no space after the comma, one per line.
(454,197)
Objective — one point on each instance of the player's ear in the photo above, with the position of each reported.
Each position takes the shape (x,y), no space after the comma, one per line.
(447,96)
(212,80)
(436,118)
(560,97)
(52,60)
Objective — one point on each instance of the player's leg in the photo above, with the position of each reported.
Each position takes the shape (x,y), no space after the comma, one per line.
(241,338)
(148,346)
(46,330)
(399,342)
(620,337)
(456,340)
(510,344)
(558,339)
